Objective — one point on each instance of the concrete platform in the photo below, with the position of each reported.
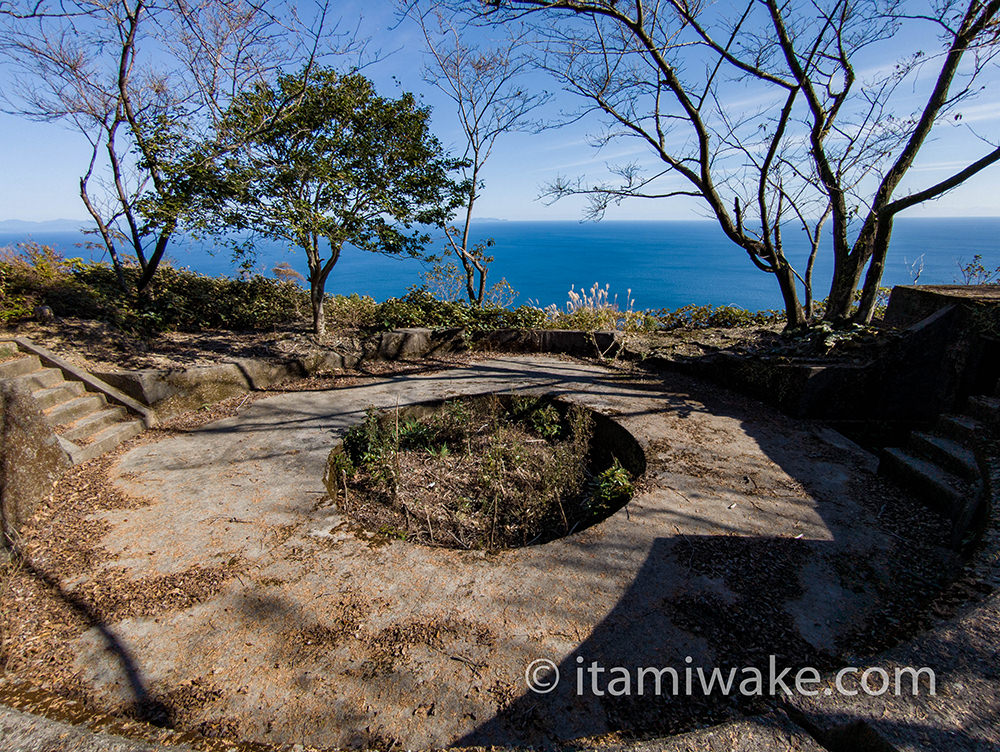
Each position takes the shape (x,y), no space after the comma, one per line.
(753,535)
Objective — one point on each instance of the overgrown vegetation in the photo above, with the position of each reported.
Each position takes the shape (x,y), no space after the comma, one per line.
(33,275)
(420,308)
(484,473)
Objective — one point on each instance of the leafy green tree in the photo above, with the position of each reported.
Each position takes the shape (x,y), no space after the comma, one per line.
(346,166)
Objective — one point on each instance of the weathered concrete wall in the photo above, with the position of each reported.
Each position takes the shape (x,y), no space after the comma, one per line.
(942,355)
(951,347)
(910,304)
(803,390)
(414,343)
(173,391)
(31,461)
(569,342)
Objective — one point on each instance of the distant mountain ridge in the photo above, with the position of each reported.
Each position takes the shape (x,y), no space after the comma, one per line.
(47,225)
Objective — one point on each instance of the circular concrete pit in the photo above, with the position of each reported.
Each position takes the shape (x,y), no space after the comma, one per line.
(489,472)
(753,535)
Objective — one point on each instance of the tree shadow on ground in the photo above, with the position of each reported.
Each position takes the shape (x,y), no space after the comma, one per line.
(724,601)
(142,704)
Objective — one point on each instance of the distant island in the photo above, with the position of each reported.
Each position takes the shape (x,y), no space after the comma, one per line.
(47,225)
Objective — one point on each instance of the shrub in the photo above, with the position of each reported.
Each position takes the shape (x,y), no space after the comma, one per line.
(707,316)
(32,275)
(420,308)
(611,488)
(351,311)
(12,306)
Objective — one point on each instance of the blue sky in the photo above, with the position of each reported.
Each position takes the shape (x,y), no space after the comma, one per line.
(41,163)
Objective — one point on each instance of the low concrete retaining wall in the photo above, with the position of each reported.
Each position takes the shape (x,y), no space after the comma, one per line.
(910,304)
(803,390)
(31,459)
(938,359)
(568,342)
(173,391)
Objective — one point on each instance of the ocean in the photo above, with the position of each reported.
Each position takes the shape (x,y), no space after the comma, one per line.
(665,264)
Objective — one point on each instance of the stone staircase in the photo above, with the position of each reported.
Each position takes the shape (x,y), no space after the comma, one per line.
(78,410)
(940,464)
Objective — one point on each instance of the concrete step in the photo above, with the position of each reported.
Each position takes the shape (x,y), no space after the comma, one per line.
(55,395)
(962,428)
(86,426)
(985,410)
(948,453)
(103,441)
(40,379)
(941,490)
(81,430)
(69,412)
(19,366)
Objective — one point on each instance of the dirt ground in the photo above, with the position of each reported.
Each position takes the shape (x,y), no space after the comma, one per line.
(97,346)
(199,577)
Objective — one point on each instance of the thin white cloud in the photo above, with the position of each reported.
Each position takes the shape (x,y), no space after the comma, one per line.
(597,160)
(980,113)
(950,166)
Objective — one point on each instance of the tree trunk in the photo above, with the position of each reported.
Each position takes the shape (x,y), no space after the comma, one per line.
(316,288)
(872,241)
(150,267)
(470,278)
(794,315)
(319,271)
(873,279)
(778,265)
(846,276)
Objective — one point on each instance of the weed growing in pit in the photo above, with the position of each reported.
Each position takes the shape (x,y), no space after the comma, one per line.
(610,488)
(340,465)
(539,415)
(415,434)
(484,473)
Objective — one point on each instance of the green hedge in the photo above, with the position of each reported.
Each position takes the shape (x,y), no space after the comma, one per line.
(420,308)
(33,275)
(706,316)
(180,299)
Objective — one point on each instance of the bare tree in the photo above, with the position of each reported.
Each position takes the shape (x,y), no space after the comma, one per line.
(756,108)
(146,83)
(485,85)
